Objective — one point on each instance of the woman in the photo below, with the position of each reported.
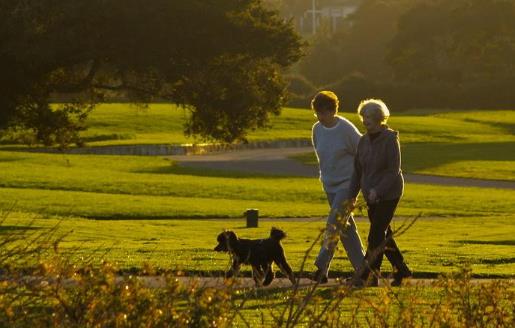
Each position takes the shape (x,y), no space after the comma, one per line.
(377,172)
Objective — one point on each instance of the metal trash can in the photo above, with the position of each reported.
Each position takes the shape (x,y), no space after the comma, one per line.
(252,216)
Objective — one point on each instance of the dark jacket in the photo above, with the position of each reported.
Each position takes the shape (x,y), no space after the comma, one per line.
(377,165)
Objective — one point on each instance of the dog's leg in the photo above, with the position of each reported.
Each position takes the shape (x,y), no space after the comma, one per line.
(281,262)
(235,269)
(257,274)
(269,275)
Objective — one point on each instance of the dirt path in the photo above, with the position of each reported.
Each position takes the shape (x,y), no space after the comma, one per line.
(276,161)
(280,283)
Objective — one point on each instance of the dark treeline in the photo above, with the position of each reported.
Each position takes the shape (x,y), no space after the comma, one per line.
(220,59)
(416,53)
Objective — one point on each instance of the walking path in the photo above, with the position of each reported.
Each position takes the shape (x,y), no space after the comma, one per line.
(281,283)
(276,161)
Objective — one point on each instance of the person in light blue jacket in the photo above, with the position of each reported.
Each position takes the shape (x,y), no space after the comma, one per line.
(335,141)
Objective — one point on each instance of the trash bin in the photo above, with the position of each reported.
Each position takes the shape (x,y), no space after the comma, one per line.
(252,217)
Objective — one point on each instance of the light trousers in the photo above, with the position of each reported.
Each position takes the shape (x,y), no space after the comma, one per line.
(335,230)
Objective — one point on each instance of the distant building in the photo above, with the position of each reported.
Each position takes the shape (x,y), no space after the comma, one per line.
(330,13)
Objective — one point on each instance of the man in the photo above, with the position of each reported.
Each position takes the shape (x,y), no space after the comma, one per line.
(335,140)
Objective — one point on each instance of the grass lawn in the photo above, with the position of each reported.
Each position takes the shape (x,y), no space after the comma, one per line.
(492,161)
(473,143)
(161,123)
(470,144)
(430,247)
(119,187)
(459,225)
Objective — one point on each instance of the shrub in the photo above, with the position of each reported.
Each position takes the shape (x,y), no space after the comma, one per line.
(61,293)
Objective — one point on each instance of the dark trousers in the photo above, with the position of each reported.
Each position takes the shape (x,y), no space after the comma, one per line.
(380,216)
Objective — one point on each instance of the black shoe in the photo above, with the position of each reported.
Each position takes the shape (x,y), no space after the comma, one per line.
(372,281)
(365,280)
(355,282)
(319,277)
(399,275)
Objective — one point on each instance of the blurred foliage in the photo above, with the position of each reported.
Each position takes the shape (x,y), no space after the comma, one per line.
(358,47)
(455,42)
(63,293)
(419,54)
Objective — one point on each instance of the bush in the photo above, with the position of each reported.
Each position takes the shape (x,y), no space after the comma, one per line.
(60,293)
(406,96)
(300,91)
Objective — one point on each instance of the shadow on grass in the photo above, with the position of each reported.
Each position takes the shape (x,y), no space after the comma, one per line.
(109,137)
(508,127)
(420,156)
(204,172)
(121,217)
(9,160)
(509,260)
(488,242)
(7,229)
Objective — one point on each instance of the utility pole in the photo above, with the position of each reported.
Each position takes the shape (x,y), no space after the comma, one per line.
(313,15)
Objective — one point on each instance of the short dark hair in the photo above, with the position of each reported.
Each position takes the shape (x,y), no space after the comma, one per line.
(326,101)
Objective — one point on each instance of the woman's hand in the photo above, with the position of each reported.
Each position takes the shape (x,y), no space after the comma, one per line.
(372,196)
(352,203)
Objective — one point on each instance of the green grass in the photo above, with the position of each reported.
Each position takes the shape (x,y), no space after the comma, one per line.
(473,144)
(470,144)
(491,161)
(160,123)
(152,187)
(112,124)
(118,124)
(459,225)
(430,247)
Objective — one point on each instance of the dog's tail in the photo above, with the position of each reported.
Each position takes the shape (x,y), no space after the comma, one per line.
(277,234)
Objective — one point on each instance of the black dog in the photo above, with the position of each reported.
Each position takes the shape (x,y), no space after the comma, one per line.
(259,253)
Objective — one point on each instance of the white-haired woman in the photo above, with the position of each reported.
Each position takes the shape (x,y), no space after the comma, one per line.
(377,173)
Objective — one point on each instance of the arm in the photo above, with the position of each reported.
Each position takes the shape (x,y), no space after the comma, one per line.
(353,140)
(314,142)
(313,137)
(355,182)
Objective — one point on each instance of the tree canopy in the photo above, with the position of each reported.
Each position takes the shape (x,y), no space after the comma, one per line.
(359,46)
(457,41)
(222,59)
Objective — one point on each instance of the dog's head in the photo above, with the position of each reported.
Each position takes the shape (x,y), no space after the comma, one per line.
(225,239)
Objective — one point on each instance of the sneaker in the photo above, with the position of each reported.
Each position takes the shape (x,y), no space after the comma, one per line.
(319,277)
(398,276)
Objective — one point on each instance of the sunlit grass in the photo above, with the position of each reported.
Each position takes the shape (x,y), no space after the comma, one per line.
(111,124)
(152,187)
(430,247)
(494,161)
(473,143)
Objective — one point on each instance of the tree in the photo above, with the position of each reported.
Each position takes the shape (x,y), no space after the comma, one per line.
(359,46)
(457,42)
(221,59)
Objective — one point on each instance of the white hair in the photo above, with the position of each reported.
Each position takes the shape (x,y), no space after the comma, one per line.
(375,106)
